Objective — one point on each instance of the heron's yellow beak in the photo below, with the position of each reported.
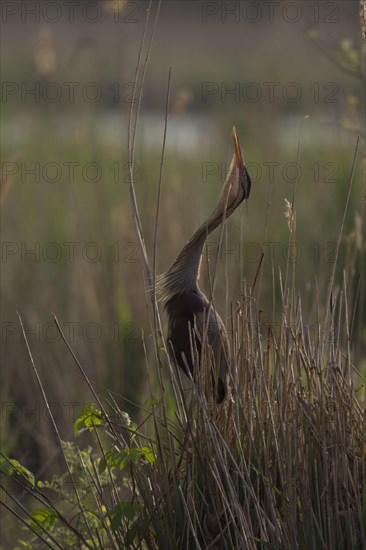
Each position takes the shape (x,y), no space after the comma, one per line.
(238,153)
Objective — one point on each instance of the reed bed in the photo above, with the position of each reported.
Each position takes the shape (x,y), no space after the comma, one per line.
(280,464)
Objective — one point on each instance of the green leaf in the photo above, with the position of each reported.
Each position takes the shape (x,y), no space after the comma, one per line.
(102,465)
(25,544)
(127,510)
(132,456)
(147,453)
(46,517)
(121,458)
(154,402)
(15,467)
(5,467)
(90,417)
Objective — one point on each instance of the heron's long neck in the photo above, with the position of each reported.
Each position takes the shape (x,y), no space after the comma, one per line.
(183,273)
(189,258)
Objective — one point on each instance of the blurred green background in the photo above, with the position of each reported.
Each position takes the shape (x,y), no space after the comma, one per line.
(274,70)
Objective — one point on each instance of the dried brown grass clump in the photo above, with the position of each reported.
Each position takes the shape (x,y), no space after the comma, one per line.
(284,464)
(281,465)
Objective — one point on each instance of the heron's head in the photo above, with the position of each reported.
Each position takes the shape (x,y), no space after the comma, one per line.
(238,183)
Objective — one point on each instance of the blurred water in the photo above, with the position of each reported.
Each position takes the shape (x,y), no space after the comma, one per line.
(186,134)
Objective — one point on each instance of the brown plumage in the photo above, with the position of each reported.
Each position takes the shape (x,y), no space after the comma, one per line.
(188,309)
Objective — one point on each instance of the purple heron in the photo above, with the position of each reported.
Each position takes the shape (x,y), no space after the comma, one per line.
(188,309)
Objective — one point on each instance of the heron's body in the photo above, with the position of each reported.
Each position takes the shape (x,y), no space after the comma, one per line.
(191,316)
